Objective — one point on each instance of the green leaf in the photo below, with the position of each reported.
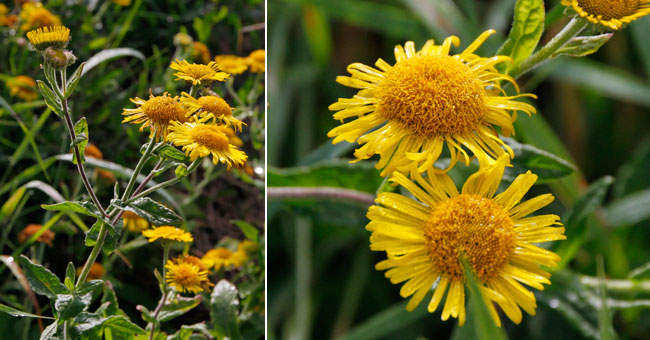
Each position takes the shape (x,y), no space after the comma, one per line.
(112,238)
(81,139)
(109,54)
(70,274)
(629,210)
(605,326)
(86,323)
(49,331)
(154,212)
(171,152)
(360,176)
(547,166)
(178,306)
(42,281)
(249,230)
(224,309)
(85,208)
(109,296)
(69,306)
(18,313)
(583,46)
(526,31)
(10,205)
(573,220)
(27,174)
(482,322)
(73,81)
(51,100)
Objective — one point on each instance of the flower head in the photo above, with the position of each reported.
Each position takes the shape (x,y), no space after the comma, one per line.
(610,13)
(133,222)
(425,239)
(34,15)
(168,233)
(220,257)
(256,61)
(210,107)
(409,111)
(231,63)
(23,87)
(198,74)
(157,113)
(96,271)
(46,236)
(186,275)
(201,52)
(200,140)
(52,36)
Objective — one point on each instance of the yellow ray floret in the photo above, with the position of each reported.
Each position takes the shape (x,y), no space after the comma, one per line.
(201,140)
(156,113)
(198,74)
(406,113)
(256,61)
(231,63)
(34,15)
(54,36)
(186,275)
(168,233)
(425,239)
(210,108)
(610,13)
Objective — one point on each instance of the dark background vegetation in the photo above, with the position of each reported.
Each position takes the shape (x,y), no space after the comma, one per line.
(592,111)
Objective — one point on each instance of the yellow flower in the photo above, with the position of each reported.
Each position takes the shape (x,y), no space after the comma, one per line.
(424,240)
(22,87)
(185,276)
(231,63)
(256,61)
(201,140)
(198,74)
(34,15)
(210,107)
(122,2)
(232,136)
(156,113)
(201,52)
(610,13)
(54,36)
(247,246)
(168,233)
(427,100)
(133,222)
(222,258)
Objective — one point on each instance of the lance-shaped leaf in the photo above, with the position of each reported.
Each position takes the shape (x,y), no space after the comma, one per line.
(582,46)
(15,312)
(526,31)
(73,81)
(154,212)
(42,281)
(171,152)
(81,139)
(547,166)
(112,238)
(224,308)
(51,100)
(178,306)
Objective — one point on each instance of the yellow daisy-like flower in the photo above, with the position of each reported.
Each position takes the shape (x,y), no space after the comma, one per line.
(210,107)
(610,13)
(425,239)
(23,87)
(256,61)
(156,113)
(168,233)
(232,64)
(53,36)
(408,112)
(198,74)
(218,258)
(185,276)
(133,222)
(34,15)
(201,52)
(201,140)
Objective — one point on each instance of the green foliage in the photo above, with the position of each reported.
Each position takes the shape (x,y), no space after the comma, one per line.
(525,33)
(224,310)
(154,212)
(81,132)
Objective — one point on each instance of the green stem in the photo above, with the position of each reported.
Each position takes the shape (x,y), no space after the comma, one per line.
(138,167)
(231,91)
(164,297)
(544,54)
(165,184)
(194,90)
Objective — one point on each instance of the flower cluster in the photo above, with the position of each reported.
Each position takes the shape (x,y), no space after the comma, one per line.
(408,113)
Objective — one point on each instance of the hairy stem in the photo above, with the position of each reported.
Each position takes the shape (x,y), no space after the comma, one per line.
(321,192)
(165,184)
